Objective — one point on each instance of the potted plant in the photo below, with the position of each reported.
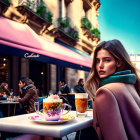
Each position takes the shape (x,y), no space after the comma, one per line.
(49,16)
(86,23)
(41,11)
(63,22)
(73,33)
(96,32)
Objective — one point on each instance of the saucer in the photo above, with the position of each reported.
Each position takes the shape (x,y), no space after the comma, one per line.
(40,119)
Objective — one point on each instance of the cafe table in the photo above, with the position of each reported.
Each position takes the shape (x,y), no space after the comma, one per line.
(22,124)
(3,102)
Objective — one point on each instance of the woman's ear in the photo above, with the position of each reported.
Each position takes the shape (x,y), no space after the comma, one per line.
(119,63)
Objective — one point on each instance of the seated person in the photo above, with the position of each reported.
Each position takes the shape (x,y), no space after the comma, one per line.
(80,87)
(28,95)
(64,87)
(4,89)
(114,84)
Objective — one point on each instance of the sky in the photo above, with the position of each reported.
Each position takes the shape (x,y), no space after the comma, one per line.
(120,19)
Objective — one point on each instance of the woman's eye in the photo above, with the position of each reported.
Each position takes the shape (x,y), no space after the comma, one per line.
(97,60)
(108,60)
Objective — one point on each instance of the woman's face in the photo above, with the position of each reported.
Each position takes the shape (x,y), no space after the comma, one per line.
(21,84)
(105,63)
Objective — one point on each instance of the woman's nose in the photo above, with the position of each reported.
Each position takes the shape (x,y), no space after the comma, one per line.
(101,65)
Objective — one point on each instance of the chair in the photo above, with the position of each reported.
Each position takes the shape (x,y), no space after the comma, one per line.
(40,100)
(1,114)
(69,99)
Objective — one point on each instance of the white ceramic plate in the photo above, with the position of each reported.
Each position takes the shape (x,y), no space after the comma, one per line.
(40,119)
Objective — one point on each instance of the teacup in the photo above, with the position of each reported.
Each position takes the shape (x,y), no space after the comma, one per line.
(53,108)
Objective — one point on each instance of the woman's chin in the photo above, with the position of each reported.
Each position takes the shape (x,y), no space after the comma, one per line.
(103,76)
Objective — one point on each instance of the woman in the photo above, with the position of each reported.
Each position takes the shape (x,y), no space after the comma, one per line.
(4,89)
(28,95)
(116,85)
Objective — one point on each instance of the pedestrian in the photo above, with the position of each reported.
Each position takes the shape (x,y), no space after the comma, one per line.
(79,88)
(115,82)
(28,95)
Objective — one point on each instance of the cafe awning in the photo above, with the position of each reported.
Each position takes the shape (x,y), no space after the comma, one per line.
(20,40)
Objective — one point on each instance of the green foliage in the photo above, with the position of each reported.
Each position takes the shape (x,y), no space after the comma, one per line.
(30,4)
(63,22)
(41,11)
(49,16)
(86,23)
(96,32)
(73,33)
(7,2)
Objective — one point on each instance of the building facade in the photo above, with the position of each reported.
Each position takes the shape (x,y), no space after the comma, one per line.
(136,61)
(72,23)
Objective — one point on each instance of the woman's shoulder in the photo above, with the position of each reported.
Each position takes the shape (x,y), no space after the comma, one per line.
(32,89)
(116,87)
(117,91)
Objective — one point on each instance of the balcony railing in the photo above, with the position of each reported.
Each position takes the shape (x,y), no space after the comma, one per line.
(87,31)
(64,25)
(36,20)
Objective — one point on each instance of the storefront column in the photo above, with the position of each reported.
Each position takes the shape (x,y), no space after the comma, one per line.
(81,74)
(53,77)
(71,77)
(72,9)
(24,67)
(15,74)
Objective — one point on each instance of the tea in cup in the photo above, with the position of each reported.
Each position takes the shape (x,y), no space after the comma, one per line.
(81,104)
(53,108)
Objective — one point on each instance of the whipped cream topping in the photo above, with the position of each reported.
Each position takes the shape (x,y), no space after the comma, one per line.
(52,98)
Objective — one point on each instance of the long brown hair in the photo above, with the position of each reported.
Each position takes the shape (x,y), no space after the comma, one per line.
(117,50)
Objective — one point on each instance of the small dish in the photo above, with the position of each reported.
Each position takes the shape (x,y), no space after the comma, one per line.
(40,119)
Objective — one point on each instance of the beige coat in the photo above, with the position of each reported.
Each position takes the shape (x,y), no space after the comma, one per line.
(117,112)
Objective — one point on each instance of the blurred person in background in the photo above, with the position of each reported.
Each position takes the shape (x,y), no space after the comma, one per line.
(80,87)
(64,87)
(4,89)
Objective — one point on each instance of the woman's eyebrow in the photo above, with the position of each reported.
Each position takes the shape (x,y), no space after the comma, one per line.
(103,57)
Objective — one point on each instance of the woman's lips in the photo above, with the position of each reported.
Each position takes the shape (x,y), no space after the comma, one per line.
(101,72)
